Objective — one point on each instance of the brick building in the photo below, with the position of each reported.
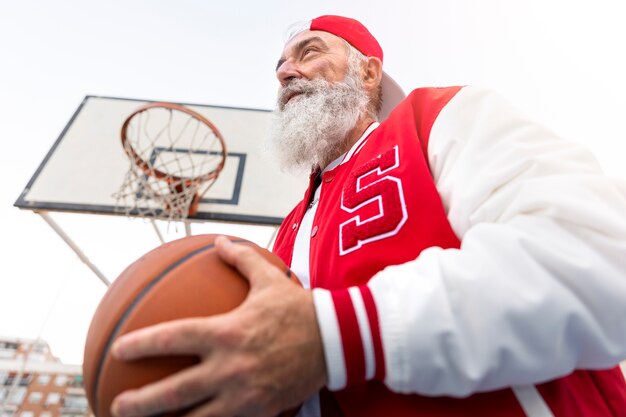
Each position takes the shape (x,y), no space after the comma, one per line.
(33,383)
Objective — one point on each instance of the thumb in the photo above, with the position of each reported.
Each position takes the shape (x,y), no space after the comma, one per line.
(256,269)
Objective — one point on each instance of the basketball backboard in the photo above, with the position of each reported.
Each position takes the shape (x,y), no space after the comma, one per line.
(87,164)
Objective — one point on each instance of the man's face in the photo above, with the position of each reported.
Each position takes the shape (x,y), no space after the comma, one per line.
(320,100)
(313,55)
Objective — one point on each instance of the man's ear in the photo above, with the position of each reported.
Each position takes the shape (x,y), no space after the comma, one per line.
(373,73)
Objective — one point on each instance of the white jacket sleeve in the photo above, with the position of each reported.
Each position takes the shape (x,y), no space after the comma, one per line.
(538,287)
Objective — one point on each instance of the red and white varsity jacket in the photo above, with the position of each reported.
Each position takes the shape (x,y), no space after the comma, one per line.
(465,261)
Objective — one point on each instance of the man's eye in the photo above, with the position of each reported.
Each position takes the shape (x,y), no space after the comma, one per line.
(307,51)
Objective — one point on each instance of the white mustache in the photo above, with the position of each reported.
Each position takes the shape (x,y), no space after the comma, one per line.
(294,88)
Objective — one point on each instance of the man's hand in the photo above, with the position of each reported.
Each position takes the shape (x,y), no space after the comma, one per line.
(260,359)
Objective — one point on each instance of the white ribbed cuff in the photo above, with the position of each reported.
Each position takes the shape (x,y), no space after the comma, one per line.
(331,339)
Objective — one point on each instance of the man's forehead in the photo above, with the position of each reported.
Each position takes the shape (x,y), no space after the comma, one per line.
(328,38)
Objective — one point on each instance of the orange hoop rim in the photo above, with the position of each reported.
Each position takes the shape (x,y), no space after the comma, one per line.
(169,178)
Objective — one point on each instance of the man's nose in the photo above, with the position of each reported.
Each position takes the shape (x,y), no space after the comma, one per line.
(287,72)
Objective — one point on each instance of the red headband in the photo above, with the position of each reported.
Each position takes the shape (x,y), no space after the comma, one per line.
(352,31)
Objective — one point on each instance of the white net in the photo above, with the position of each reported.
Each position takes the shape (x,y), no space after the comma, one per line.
(175,156)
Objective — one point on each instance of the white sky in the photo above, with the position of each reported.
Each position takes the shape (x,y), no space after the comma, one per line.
(562,61)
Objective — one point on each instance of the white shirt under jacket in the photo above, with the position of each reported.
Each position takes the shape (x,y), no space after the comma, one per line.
(542,259)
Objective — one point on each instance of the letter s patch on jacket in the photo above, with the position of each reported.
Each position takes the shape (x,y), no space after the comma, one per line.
(377,201)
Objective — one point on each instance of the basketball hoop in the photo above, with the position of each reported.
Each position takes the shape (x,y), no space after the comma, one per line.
(175,155)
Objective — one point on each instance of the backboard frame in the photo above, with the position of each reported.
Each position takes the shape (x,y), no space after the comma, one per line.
(27,202)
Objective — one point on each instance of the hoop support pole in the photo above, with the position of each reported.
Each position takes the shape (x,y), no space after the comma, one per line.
(272,239)
(156,229)
(73,246)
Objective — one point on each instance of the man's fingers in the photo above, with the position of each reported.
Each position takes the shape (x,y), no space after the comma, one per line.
(179,337)
(217,407)
(179,391)
(244,258)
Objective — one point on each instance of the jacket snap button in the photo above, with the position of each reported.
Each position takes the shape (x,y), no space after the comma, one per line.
(314,231)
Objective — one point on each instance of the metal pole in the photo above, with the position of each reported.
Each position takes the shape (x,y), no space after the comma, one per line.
(71,244)
(271,242)
(156,229)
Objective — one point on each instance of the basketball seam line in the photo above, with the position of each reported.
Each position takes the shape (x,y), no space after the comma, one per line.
(132,306)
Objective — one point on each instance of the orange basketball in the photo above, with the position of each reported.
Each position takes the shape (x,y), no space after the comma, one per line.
(180,279)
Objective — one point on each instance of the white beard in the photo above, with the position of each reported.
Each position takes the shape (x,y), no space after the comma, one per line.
(312,128)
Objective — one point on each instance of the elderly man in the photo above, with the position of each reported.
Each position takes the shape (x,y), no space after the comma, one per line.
(464,261)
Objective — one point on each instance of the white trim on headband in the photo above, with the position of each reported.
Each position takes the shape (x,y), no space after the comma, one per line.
(295,29)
